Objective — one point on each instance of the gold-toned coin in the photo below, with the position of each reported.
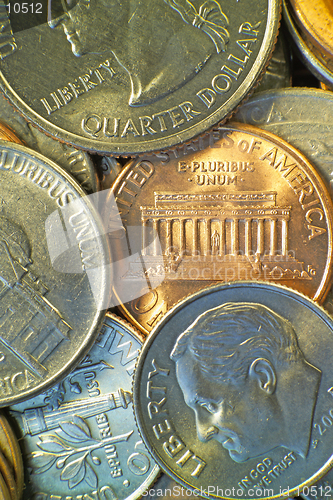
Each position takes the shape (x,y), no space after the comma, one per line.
(12,452)
(315,20)
(248,207)
(8,475)
(325,87)
(4,493)
(320,66)
(7,134)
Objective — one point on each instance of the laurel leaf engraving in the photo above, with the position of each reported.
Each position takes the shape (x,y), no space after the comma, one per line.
(76,432)
(42,461)
(82,423)
(74,472)
(91,477)
(52,444)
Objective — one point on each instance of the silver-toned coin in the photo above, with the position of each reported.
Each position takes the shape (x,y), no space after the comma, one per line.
(321,490)
(166,488)
(54,279)
(109,167)
(231,389)
(132,77)
(278,72)
(77,163)
(301,116)
(81,436)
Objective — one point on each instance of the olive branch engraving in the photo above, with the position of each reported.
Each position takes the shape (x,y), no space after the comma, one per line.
(72,450)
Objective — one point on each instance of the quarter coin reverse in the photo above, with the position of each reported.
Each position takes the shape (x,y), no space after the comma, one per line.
(54,278)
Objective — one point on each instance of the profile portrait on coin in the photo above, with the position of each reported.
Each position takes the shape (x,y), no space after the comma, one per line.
(161,44)
(242,372)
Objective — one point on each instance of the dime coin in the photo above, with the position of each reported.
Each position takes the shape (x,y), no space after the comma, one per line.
(11,450)
(248,207)
(135,77)
(77,163)
(54,281)
(232,389)
(81,435)
(300,116)
(167,488)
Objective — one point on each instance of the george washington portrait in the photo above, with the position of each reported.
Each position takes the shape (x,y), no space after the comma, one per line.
(161,44)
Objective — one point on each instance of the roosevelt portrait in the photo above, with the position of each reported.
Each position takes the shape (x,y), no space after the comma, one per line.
(242,372)
(161,44)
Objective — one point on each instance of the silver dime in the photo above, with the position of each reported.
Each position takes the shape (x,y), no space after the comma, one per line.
(77,163)
(232,388)
(79,439)
(54,278)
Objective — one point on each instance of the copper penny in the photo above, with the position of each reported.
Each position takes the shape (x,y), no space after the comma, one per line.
(315,20)
(12,453)
(250,206)
(7,134)
(8,475)
(4,493)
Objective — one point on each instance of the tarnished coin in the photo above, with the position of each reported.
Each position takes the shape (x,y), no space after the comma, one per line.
(132,77)
(315,20)
(77,163)
(54,278)
(10,448)
(4,492)
(8,475)
(248,207)
(81,436)
(320,65)
(231,390)
(301,116)
(109,168)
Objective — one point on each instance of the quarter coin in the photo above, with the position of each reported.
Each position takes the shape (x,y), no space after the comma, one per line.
(132,77)
(54,279)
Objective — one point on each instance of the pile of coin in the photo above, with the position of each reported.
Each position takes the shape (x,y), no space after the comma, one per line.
(165,250)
